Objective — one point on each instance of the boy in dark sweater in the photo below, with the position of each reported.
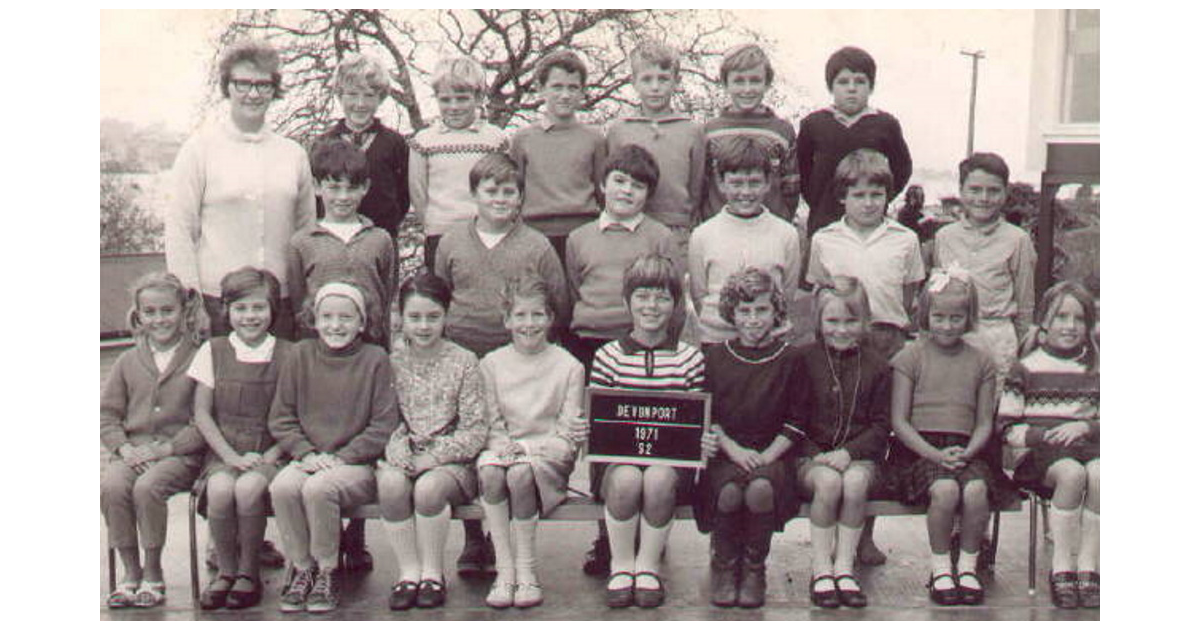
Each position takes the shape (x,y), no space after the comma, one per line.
(746,75)
(361,86)
(828,134)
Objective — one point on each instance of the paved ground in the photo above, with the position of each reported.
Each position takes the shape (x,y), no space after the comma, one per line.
(896,589)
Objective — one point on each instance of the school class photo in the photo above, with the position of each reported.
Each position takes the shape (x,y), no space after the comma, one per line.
(601,314)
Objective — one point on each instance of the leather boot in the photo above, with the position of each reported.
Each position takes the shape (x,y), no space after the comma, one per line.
(726,556)
(758,532)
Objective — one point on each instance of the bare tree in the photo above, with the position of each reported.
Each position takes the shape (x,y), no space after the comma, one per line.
(508,42)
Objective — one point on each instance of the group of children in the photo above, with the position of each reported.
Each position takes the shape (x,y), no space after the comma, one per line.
(568,258)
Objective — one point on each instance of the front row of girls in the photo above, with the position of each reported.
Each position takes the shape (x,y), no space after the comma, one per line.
(349,427)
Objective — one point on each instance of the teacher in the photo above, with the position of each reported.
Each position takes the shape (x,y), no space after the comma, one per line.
(240,190)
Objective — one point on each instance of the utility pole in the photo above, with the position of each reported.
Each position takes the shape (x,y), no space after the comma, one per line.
(975,56)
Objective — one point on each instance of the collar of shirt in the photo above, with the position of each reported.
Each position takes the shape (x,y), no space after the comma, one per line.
(762,111)
(365,223)
(850,120)
(258,354)
(889,225)
(358,138)
(606,221)
(986,229)
(548,124)
(474,127)
(629,345)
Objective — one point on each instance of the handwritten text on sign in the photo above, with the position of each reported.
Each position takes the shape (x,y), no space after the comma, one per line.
(639,427)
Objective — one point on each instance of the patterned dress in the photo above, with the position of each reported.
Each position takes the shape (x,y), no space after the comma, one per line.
(442,400)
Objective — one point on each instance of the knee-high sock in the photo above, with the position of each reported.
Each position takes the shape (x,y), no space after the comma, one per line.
(622,537)
(649,553)
(403,537)
(525,558)
(847,547)
(431,539)
(823,539)
(1064,527)
(497,518)
(1089,547)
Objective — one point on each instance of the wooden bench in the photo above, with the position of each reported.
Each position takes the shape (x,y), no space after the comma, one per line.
(583,508)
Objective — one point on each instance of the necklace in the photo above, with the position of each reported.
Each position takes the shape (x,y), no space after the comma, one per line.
(767,359)
(843,421)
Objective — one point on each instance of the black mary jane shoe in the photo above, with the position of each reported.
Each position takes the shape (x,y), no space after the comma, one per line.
(239,599)
(431,593)
(404,595)
(1088,585)
(853,597)
(944,596)
(217,593)
(970,595)
(620,597)
(824,599)
(1063,591)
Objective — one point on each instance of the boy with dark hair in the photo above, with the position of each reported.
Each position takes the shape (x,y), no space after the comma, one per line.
(828,134)
(746,74)
(560,158)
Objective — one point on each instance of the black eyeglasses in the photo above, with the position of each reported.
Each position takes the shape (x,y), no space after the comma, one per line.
(243,86)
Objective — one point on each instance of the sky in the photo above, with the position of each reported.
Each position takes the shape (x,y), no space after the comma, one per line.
(154,66)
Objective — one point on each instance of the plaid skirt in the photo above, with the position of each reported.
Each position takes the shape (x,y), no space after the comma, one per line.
(722,471)
(913,475)
(1031,472)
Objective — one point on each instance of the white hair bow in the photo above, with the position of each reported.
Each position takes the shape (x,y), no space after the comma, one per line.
(939,278)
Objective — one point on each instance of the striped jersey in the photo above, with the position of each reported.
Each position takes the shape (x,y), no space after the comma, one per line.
(626,363)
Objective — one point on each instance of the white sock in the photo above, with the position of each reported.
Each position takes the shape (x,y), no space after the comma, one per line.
(431,537)
(847,547)
(403,536)
(939,563)
(622,537)
(1064,527)
(1089,543)
(496,519)
(649,553)
(967,561)
(525,536)
(823,542)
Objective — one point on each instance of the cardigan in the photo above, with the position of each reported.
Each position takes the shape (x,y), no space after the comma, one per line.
(140,404)
(754,391)
(477,276)
(851,411)
(439,164)
(339,401)
(776,135)
(677,144)
(236,199)
(596,260)
(386,203)
(562,166)
(821,143)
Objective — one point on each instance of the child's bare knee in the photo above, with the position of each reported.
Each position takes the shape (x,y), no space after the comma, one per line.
(520,476)
(729,500)
(430,494)
(975,494)
(493,482)
(760,496)
(944,493)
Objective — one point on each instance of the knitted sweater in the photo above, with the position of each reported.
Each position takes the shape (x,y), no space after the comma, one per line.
(440,161)
(1044,390)
(677,144)
(140,405)
(844,401)
(317,255)
(779,139)
(477,276)
(823,141)
(562,167)
(670,366)
(596,261)
(387,201)
(236,199)
(335,401)
(533,400)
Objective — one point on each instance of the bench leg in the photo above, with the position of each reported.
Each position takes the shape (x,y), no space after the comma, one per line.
(990,560)
(195,568)
(112,569)
(1033,540)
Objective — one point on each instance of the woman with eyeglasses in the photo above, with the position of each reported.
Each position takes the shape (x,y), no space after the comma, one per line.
(240,190)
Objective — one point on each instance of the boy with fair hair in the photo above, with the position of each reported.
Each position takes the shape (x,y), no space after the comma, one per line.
(866,244)
(744,234)
(561,159)
(674,139)
(361,85)
(442,154)
(998,254)
(746,74)
(827,135)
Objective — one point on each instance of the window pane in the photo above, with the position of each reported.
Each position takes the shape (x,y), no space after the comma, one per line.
(1082,72)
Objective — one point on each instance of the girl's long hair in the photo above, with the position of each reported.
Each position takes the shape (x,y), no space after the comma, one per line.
(1051,301)
(193,324)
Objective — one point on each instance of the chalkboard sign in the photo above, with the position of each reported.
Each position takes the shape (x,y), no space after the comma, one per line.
(628,426)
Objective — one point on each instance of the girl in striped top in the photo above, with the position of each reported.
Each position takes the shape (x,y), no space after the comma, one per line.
(644,497)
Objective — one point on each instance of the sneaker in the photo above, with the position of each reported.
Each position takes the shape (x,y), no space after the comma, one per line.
(323,596)
(598,561)
(527,595)
(478,557)
(299,583)
(501,595)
